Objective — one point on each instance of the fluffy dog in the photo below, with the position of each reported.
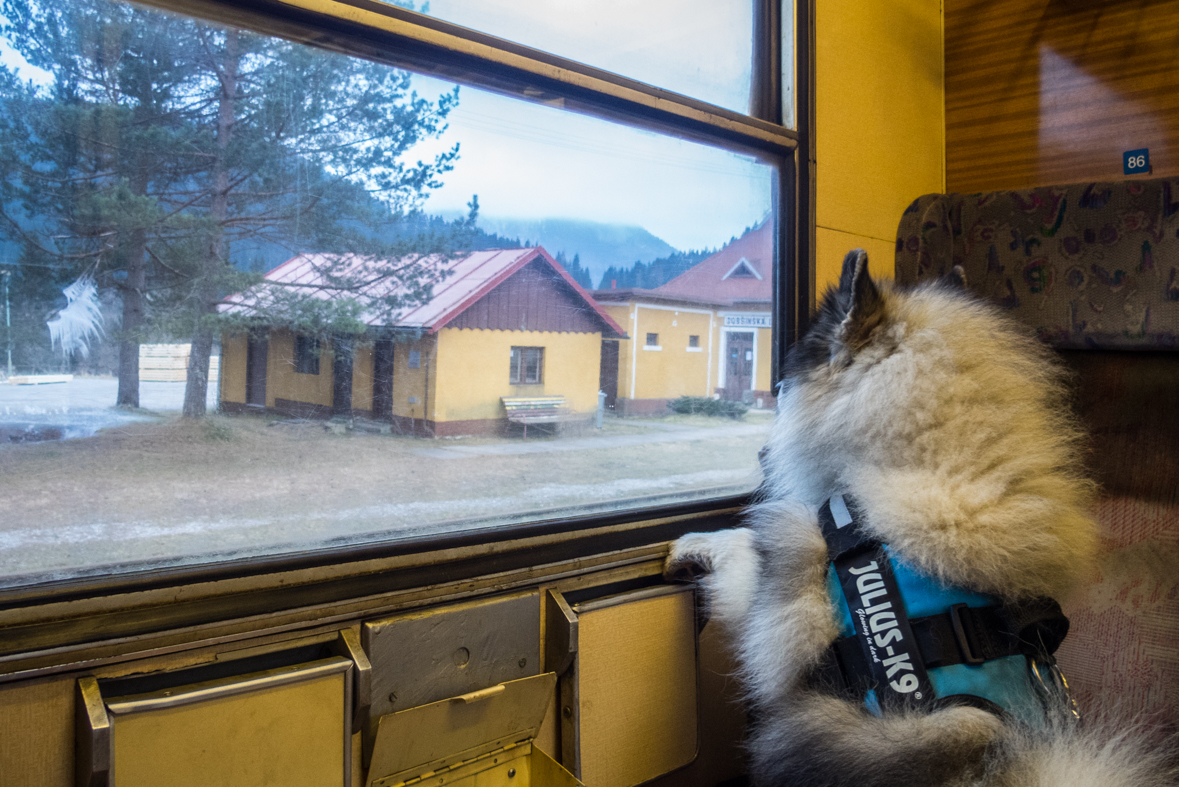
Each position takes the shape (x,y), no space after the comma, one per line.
(947,425)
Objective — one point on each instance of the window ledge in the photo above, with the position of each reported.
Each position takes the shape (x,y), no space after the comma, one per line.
(653,347)
(694,349)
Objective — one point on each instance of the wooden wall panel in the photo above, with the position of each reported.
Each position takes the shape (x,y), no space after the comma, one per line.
(1046,92)
(534,298)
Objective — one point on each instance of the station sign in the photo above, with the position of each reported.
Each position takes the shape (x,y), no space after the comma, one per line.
(749,320)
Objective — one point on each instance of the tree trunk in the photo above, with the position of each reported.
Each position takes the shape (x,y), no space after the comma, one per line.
(132,289)
(132,321)
(197,385)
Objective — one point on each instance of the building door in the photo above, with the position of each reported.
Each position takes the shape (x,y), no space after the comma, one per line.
(256,350)
(608,375)
(342,376)
(383,380)
(738,364)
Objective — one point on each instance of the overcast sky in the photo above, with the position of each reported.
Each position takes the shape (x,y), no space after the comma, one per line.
(531,161)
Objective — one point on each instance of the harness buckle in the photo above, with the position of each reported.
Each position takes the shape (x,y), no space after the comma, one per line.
(968,655)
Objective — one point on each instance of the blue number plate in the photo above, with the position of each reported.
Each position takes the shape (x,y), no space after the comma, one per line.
(1136,162)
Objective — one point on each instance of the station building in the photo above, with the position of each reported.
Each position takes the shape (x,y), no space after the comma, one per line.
(706,332)
(502,323)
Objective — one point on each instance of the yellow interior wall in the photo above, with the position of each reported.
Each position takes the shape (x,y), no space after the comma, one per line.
(233,368)
(673,371)
(282,382)
(362,377)
(832,245)
(880,124)
(473,370)
(411,383)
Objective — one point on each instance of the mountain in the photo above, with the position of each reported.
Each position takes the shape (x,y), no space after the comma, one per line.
(599,246)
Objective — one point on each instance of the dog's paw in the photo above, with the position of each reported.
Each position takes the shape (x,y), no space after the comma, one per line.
(694,556)
(687,567)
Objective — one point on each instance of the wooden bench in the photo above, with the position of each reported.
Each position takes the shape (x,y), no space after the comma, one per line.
(536,410)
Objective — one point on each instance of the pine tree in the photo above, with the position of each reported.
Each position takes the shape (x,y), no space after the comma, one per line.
(168,150)
(89,157)
(649,275)
(576,272)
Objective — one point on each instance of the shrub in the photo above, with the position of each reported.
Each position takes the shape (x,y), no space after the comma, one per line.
(708,406)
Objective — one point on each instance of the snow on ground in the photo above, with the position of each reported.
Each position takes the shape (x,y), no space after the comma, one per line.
(86,404)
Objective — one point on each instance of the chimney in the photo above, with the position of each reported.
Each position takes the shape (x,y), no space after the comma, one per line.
(614,284)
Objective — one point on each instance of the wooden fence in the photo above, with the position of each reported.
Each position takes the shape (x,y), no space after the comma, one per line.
(168,363)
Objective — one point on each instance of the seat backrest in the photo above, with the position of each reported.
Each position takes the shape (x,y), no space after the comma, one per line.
(1092,265)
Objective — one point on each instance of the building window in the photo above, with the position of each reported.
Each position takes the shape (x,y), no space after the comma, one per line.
(527,366)
(693,341)
(306,355)
(652,340)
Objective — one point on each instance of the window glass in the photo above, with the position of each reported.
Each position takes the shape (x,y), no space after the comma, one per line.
(306,355)
(260,298)
(700,49)
(789,56)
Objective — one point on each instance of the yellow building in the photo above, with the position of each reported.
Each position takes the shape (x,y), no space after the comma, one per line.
(502,324)
(706,332)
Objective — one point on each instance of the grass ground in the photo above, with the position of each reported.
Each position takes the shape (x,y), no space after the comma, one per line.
(174,490)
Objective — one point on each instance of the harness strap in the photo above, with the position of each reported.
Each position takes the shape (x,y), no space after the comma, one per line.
(887,647)
(859,663)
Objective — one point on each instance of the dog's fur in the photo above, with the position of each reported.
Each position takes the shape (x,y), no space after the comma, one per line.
(949,427)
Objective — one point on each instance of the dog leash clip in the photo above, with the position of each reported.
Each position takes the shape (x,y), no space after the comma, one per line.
(1053,688)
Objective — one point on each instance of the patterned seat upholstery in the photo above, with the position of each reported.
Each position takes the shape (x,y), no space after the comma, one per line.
(1094,265)
(1093,269)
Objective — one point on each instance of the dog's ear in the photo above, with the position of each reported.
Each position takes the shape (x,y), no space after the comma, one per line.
(956,277)
(865,306)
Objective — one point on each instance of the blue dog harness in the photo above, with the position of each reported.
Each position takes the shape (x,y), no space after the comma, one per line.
(907,641)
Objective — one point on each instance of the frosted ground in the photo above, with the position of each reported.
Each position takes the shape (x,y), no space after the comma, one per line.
(148,488)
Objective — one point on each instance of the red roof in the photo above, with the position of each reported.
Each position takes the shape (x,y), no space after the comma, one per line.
(723,279)
(470,277)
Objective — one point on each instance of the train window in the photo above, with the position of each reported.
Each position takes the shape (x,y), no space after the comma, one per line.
(258,295)
(700,49)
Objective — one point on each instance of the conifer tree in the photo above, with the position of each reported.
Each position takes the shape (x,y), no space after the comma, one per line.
(167,150)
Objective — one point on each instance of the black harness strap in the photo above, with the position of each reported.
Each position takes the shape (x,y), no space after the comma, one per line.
(874,659)
(887,646)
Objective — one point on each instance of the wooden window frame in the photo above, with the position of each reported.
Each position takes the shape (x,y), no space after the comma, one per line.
(88,621)
(517,370)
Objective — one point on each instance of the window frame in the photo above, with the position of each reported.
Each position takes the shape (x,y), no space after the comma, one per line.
(521,366)
(104,618)
(307,352)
